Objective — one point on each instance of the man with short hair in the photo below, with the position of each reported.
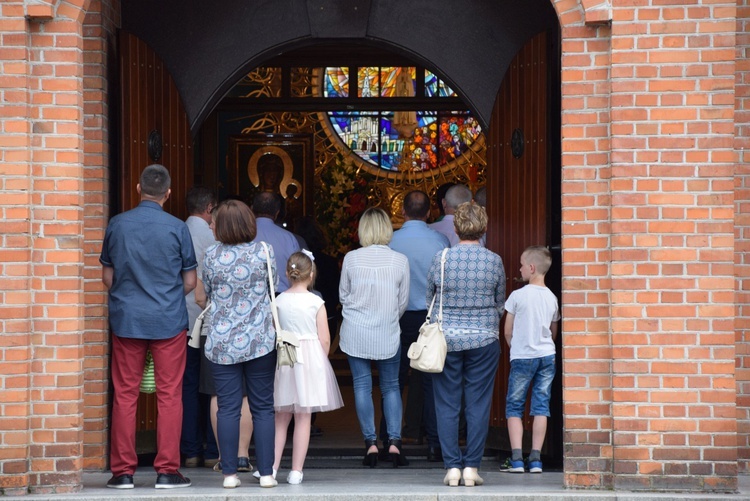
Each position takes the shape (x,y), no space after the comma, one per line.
(200,203)
(454,197)
(419,244)
(266,207)
(148,265)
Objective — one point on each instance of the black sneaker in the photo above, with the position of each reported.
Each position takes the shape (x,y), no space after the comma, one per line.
(121,482)
(171,481)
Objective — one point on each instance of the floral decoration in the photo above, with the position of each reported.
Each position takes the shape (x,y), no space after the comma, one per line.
(339,202)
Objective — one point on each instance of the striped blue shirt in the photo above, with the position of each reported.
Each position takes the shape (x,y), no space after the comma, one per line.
(374,292)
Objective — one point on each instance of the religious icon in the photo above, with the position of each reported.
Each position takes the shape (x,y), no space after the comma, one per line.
(279,163)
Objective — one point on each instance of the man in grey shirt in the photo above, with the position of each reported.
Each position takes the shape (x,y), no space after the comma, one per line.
(454,197)
(200,203)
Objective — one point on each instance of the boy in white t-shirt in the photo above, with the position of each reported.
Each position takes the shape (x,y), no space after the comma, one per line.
(530,330)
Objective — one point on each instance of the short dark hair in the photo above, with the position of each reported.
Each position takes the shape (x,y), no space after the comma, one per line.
(440,195)
(266,203)
(416,204)
(198,199)
(309,229)
(155,181)
(234,223)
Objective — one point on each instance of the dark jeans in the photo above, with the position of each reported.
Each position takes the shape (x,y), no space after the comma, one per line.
(469,373)
(191,441)
(258,376)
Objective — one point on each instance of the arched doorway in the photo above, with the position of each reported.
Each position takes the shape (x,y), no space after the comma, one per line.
(514,102)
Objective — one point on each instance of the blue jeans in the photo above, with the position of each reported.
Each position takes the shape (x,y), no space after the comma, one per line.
(537,373)
(258,376)
(362,378)
(191,442)
(469,373)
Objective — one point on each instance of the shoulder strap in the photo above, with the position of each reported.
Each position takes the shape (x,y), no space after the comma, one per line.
(442,278)
(274,312)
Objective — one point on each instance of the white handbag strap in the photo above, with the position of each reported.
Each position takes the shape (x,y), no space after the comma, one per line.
(205,310)
(442,277)
(274,312)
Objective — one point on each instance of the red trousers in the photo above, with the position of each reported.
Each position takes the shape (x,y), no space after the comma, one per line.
(128,359)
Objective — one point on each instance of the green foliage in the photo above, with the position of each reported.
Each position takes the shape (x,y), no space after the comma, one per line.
(339,202)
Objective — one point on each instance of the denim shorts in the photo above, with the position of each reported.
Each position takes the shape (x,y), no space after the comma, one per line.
(537,373)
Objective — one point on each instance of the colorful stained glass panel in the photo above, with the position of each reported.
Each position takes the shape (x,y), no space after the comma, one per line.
(368,80)
(457,133)
(359,131)
(435,87)
(336,82)
(397,81)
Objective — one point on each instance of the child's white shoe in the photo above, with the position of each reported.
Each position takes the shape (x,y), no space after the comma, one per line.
(294,477)
(231,482)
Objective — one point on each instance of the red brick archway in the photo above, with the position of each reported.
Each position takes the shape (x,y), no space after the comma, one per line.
(652,226)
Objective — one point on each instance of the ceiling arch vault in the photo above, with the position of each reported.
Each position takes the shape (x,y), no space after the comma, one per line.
(208,46)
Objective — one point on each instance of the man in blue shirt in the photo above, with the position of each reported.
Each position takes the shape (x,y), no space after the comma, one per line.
(266,207)
(148,266)
(419,244)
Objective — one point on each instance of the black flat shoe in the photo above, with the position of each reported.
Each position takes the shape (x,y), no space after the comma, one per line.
(371,458)
(397,458)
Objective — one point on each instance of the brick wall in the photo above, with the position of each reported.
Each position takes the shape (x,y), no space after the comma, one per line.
(100,64)
(587,352)
(41,161)
(649,397)
(742,230)
(654,230)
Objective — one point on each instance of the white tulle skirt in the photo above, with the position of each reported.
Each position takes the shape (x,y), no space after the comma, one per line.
(309,386)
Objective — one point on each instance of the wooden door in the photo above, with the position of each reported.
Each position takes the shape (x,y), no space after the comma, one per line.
(154,129)
(518,185)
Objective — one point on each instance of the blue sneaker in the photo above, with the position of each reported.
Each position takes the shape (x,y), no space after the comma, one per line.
(535,466)
(510,466)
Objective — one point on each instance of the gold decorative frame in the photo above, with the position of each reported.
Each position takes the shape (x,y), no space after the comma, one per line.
(297,155)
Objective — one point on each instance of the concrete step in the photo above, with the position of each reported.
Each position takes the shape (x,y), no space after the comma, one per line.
(350,481)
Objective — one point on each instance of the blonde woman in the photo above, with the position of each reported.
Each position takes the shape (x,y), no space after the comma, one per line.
(374,293)
(473,293)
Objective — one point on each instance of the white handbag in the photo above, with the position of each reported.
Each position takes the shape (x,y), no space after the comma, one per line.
(428,352)
(194,341)
(287,342)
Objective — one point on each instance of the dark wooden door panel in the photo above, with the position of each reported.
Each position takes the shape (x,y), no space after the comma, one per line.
(517,202)
(150,102)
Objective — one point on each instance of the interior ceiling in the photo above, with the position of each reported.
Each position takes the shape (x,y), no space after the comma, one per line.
(208,46)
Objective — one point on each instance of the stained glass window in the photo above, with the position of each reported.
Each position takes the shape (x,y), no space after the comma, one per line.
(336,83)
(359,131)
(397,81)
(368,82)
(457,133)
(417,139)
(435,87)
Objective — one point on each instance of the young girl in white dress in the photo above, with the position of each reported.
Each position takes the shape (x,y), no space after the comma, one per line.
(310,386)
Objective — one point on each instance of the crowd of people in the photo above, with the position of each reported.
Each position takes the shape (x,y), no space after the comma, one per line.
(230,261)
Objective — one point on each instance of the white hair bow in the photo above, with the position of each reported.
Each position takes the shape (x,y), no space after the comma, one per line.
(308,254)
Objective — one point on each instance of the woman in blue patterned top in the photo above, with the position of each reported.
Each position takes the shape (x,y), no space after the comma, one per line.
(240,345)
(473,292)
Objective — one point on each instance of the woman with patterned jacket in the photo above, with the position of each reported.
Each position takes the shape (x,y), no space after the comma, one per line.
(473,294)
